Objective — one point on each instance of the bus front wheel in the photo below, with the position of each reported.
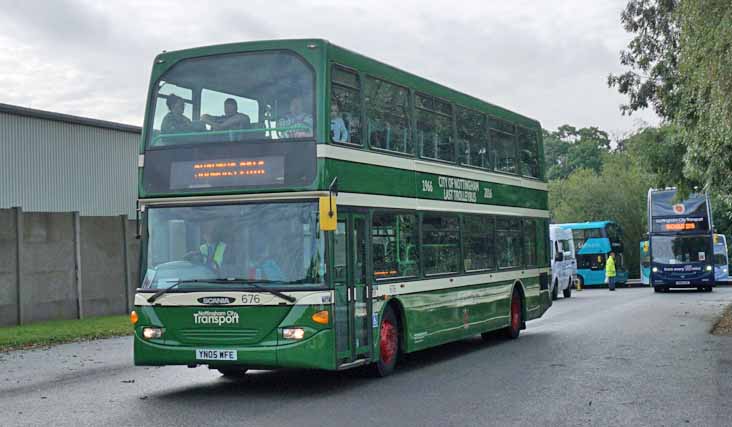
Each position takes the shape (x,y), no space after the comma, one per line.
(513,330)
(388,344)
(555,291)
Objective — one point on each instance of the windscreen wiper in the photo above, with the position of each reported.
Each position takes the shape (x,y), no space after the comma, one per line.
(254,284)
(159,293)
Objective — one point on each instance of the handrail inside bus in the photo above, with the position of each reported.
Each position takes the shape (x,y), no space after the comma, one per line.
(229,132)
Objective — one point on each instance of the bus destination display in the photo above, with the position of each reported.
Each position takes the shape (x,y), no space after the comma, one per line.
(696,223)
(239,172)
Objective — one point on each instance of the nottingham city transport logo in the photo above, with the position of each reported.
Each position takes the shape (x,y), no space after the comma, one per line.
(219,318)
(679,208)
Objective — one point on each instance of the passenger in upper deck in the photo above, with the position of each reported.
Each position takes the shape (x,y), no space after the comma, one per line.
(338,127)
(297,117)
(175,121)
(231,120)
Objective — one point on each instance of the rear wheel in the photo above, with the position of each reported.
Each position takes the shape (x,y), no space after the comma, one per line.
(388,344)
(232,372)
(555,291)
(513,330)
(567,293)
(656,289)
(581,283)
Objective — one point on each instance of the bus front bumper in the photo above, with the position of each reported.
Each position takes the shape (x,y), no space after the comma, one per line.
(315,352)
(683,283)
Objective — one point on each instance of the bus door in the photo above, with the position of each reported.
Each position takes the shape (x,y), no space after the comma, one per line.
(352,292)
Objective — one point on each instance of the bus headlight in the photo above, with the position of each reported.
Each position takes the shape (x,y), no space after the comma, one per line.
(709,268)
(293,333)
(152,333)
(655,269)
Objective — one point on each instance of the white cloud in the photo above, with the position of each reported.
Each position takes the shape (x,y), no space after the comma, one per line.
(545,59)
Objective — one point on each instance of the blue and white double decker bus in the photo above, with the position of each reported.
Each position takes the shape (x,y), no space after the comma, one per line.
(721,262)
(593,243)
(681,244)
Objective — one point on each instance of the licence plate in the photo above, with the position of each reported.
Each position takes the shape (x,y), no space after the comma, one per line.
(209,354)
(682,282)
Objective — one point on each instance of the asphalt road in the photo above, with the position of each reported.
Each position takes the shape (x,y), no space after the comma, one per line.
(630,357)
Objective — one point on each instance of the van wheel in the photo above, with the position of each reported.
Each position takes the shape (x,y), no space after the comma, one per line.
(555,291)
(567,293)
(513,330)
(388,345)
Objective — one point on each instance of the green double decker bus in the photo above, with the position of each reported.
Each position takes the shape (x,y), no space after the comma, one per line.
(304,206)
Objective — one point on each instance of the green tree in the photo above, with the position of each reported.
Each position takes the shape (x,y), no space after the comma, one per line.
(705,114)
(568,149)
(652,56)
(659,151)
(680,62)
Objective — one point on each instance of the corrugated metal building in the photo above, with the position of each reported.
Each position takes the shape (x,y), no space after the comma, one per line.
(52,162)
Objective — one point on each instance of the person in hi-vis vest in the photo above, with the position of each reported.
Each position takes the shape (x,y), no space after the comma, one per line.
(212,249)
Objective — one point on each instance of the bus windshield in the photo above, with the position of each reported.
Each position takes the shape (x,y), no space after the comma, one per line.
(234,97)
(680,249)
(276,244)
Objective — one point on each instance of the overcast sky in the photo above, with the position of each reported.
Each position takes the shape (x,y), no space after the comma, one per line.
(547,59)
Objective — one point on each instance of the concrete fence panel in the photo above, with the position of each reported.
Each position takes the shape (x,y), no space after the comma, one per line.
(103,270)
(8,267)
(48,267)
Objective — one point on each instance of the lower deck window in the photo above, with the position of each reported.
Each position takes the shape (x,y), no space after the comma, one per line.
(394,245)
(440,244)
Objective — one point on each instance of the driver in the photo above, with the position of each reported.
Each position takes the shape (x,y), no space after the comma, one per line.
(231,120)
(213,248)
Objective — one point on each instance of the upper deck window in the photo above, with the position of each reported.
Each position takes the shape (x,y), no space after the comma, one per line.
(387,115)
(473,146)
(528,152)
(434,128)
(345,107)
(504,146)
(233,97)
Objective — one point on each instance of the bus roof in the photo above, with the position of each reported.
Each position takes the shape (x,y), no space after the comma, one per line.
(176,55)
(585,225)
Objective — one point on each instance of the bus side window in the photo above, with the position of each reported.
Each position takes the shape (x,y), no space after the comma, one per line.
(345,106)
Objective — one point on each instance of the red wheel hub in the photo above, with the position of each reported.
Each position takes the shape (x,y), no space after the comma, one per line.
(388,341)
(515,313)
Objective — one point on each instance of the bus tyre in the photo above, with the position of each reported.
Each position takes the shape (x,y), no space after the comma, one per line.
(232,372)
(656,289)
(513,329)
(388,344)
(567,293)
(555,291)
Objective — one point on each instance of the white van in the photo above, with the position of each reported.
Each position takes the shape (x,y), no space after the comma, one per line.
(564,264)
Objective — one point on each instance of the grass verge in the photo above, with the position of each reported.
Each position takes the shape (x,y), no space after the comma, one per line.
(724,324)
(61,331)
